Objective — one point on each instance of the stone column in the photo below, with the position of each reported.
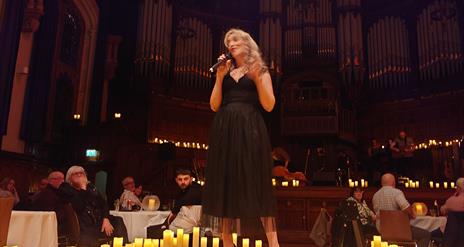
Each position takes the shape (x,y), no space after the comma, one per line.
(11,141)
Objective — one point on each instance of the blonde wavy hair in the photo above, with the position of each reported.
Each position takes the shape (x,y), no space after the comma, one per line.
(253,56)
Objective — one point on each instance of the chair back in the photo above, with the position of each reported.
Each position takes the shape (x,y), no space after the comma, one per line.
(394,225)
(358,233)
(453,235)
(6,206)
(72,227)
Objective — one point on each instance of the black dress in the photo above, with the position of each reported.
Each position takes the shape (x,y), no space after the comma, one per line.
(238,195)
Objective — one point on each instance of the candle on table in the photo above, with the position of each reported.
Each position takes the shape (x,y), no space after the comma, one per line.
(258,243)
(161,243)
(351,184)
(174,242)
(155,242)
(151,204)
(117,242)
(138,242)
(431,184)
(372,244)
(417,184)
(437,185)
(180,237)
(377,241)
(406,185)
(384,244)
(419,209)
(362,182)
(234,238)
(274,182)
(204,241)
(285,183)
(452,185)
(185,240)
(246,242)
(297,183)
(356,183)
(215,242)
(366,183)
(167,238)
(445,185)
(129,245)
(147,242)
(196,237)
(105,245)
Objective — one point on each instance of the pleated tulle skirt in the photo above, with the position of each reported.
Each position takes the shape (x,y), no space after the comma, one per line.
(238,195)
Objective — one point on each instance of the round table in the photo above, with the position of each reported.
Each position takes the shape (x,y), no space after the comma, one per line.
(429,223)
(136,222)
(33,229)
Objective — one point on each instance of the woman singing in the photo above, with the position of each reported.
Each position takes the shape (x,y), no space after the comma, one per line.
(238,193)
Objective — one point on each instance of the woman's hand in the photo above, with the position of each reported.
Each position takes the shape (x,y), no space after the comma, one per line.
(107,227)
(223,68)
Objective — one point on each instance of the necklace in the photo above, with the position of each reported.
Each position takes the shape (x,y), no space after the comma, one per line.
(238,73)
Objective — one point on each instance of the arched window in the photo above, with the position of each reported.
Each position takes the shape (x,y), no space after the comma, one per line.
(70,38)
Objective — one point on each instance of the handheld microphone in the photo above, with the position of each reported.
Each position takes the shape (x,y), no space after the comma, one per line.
(220,61)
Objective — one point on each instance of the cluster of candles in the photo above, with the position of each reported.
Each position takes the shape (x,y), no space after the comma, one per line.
(195,145)
(377,242)
(363,183)
(411,184)
(433,143)
(436,185)
(295,183)
(179,240)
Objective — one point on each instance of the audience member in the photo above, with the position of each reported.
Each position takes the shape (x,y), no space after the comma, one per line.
(366,216)
(456,202)
(91,209)
(130,196)
(390,198)
(8,185)
(48,199)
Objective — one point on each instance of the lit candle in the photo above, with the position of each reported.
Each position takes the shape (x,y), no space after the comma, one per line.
(431,184)
(384,244)
(350,180)
(437,185)
(129,245)
(366,183)
(155,242)
(419,209)
(161,243)
(215,242)
(417,184)
(377,241)
(185,241)
(180,237)
(174,242)
(297,183)
(293,183)
(138,242)
(105,245)
(285,183)
(151,204)
(274,182)
(445,185)
(356,183)
(117,242)
(234,238)
(167,238)
(372,244)
(196,236)
(204,242)
(406,185)
(452,185)
(351,183)
(147,242)
(393,245)
(258,243)
(245,242)
(362,182)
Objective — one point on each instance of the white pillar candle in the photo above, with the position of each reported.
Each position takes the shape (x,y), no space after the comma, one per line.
(180,237)
(151,204)
(204,242)
(196,237)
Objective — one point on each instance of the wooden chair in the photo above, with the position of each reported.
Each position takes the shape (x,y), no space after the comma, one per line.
(358,234)
(395,227)
(71,228)
(6,206)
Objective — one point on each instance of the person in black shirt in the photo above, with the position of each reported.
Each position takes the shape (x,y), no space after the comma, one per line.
(190,193)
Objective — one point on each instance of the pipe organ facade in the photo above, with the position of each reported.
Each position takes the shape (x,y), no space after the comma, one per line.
(153,38)
(388,53)
(439,43)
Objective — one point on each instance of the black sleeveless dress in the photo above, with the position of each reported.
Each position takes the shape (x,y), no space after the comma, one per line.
(238,195)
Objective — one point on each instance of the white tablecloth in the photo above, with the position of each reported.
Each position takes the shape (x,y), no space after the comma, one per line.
(137,221)
(429,223)
(33,229)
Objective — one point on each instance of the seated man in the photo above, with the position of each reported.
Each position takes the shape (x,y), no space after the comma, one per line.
(48,199)
(130,196)
(390,198)
(91,209)
(187,207)
(456,202)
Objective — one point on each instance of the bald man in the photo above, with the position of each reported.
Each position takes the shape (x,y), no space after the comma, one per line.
(48,199)
(390,198)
